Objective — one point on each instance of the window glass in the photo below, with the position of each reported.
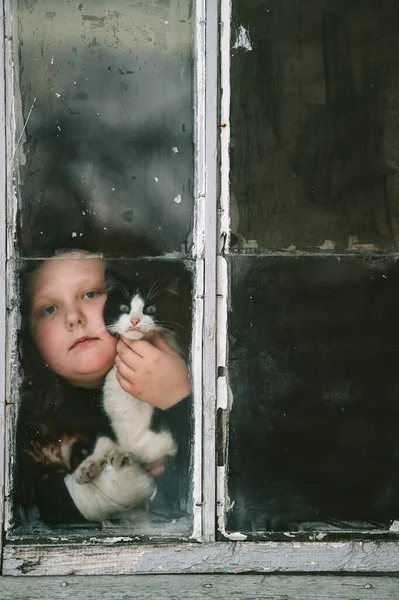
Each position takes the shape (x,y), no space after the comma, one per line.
(314,385)
(106,171)
(312,336)
(314,124)
(107,101)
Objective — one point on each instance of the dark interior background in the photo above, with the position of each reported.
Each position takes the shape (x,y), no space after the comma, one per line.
(313,341)
(313,368)
(315,123)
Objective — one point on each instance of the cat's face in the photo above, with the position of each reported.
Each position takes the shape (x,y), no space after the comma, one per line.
(132,310)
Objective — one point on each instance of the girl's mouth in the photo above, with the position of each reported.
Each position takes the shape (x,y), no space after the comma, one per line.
(82,341)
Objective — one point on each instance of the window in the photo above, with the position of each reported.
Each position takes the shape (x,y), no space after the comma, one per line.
(274,203)
(104,142)
(312,282)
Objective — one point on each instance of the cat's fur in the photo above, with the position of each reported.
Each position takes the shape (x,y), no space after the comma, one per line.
(130,311)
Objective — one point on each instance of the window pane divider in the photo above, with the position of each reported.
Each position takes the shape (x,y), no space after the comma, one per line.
(3,205)
(209,338)
(222,273)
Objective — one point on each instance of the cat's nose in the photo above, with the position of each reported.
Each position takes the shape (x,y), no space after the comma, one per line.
(135,321)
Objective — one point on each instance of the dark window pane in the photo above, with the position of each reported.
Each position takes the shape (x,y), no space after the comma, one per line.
(107,100)
(314,149)
(313,352)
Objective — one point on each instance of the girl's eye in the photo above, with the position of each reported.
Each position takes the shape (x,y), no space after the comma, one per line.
(91,294)
(150,310)
(124,308)
(48,310)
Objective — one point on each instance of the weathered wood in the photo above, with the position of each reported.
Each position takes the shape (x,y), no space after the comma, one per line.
(193,587)
(200,175)
(209,339)
(222,557)
(2,272)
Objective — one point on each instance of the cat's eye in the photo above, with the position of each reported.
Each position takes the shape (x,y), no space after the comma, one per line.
(124,308)
(150,310)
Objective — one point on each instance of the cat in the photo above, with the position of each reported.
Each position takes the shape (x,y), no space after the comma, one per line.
(132,311)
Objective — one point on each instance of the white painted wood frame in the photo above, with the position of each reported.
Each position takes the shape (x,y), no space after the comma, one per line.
(61,556)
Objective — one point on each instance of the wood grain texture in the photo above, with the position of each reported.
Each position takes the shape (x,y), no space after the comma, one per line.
(204,587)
(209,339)
(2,272)
(222,557)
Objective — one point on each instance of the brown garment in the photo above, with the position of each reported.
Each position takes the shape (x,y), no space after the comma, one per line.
(56,431)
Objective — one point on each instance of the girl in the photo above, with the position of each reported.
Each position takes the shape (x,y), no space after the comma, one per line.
(61,414)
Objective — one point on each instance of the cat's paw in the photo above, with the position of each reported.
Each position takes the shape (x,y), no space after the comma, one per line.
(89,469)
(121,459)
(167,445)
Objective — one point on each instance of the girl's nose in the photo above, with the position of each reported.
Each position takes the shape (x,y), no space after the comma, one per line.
(135,320)
(74,318)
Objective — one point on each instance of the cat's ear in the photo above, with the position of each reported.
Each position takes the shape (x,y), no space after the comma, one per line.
(173,286)
(110,280)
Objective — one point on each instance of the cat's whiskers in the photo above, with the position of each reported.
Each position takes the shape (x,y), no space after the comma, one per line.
(151,289)
(162,329)
(172,325)
(110,284)
(122,287)
(156,289)
(111,327)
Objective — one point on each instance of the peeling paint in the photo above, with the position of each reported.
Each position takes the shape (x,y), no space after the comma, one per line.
(328,245)
(394,527)
(243,39)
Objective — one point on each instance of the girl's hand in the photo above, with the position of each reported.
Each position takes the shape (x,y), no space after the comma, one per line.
(152,372)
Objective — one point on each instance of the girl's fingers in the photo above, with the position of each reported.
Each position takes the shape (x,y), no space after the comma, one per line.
(124,383)
(140,347)
(126,344)
(123,369)
(128,355)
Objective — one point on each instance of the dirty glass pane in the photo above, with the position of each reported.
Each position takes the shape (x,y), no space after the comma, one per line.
(313,346)
(70,399)
(106,96)
(105,165)
(314,126)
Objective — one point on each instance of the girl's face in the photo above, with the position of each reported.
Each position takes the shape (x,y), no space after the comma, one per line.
(67,300)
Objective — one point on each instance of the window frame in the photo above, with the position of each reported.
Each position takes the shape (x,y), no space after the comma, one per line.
(118,555)
(3,176)
(15,133)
